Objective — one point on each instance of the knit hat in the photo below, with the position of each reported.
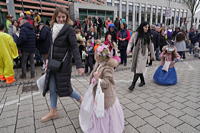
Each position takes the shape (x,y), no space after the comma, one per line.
(103,51)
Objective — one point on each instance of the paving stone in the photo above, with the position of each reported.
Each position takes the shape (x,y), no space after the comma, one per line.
(173,121)
(138,100)
(179,99)
(147,106)
(166,100)
(40,108)
(192,105)
(25,122)
(25,114)
(8,114)
(73,114)
(167,129)
(69,129)
(128,113)
(125,101)
(132,106)
(190,120)
(147,129)
(175,112)
(158,112)
(177,105)
(154,121)
(61,122)
(28,107)
(130,129)
(136,121)
(48,129)
(142,113)
(185,128)
(39,124)
(8,121)
(71,107)
(40,114)
(7,129)
(163,105)
(27,129)
(152,100)
(191,111)
(193,99)
(10,107)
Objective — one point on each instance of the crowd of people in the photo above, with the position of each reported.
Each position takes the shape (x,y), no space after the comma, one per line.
(98,46)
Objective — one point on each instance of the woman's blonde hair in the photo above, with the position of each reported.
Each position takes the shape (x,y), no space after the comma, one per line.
(61,10)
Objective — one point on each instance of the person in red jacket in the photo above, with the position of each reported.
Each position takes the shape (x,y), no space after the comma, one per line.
(123,37)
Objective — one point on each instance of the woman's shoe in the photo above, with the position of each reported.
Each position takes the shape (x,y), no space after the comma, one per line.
(141,84)
(132,87)
(50,116)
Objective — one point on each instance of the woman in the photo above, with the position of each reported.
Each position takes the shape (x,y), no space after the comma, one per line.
(123,37)
(64,44)
(180,44)
(143,45)
(163,40)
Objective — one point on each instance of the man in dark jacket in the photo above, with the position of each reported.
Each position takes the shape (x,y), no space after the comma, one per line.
(155,36)
(44,41)
(27,41)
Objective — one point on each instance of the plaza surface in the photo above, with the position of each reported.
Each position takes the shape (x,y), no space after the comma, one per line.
(150,109)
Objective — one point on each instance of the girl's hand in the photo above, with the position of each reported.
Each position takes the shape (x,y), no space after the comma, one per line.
(96,75)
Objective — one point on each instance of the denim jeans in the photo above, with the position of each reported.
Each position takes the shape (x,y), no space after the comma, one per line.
(54,96)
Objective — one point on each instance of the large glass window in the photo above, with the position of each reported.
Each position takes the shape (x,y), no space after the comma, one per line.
(154,16)
(164,17)
(124,11)
(148,14)
(130,15)
(117,5)
(159,16)
(137,13)
(143,14)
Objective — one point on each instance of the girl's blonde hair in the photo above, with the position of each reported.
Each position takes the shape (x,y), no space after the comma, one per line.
(61,10)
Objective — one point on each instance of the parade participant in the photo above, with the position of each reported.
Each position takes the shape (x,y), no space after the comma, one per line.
(8,22)
(89,57)
(112,32)
(123,36)
(59,67)
(141,41)
(8,53)
(27,42)
(113,119)
(166,73)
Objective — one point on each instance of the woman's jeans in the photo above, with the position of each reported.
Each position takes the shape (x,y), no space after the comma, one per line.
(54,96)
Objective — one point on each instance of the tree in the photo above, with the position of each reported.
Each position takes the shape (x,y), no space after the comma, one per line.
(192,5)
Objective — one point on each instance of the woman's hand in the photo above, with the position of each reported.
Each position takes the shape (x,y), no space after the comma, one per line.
(96,75)
(81,71)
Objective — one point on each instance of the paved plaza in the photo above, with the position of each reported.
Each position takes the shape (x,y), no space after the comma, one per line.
(150,109)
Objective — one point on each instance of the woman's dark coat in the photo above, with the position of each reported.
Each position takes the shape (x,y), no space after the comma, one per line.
(66,40)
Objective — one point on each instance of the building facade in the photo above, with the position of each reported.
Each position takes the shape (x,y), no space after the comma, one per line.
(196,23)
(167,12)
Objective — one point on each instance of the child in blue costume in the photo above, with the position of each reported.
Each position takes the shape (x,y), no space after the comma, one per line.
(166,73)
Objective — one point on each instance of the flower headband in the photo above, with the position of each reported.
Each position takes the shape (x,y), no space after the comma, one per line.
(103,51)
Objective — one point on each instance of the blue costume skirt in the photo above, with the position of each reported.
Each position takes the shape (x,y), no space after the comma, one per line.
(165,78)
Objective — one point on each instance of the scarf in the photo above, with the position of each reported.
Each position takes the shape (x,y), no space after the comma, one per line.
(55,30)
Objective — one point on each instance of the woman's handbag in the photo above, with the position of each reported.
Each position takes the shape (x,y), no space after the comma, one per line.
(55,65)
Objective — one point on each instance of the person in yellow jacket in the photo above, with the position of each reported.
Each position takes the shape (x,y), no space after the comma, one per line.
(8,52)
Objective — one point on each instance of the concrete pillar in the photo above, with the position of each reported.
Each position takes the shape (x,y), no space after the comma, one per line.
(145,11)
(133,16)
(113,2)
(156,14)
(151,15)
(161,19)
(140,13)
(175,14)
(120,8)
(11,8)
(127,12)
